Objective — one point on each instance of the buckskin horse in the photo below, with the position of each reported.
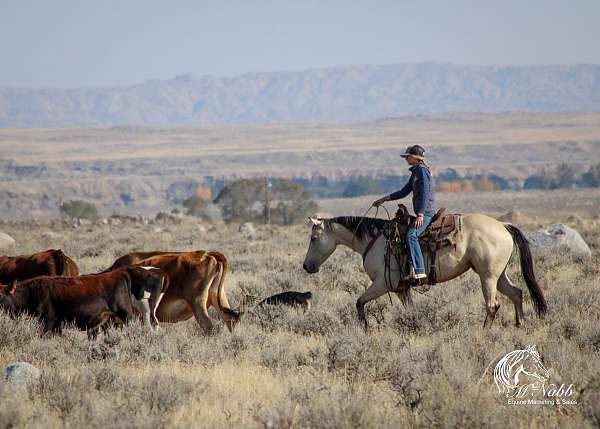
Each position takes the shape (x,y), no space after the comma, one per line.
(482,244)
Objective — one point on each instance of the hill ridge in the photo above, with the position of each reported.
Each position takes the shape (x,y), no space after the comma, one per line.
(336,94)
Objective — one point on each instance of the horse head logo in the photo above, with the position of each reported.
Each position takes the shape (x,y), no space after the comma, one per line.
(519,368)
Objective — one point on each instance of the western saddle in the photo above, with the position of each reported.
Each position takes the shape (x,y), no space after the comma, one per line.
(440,233)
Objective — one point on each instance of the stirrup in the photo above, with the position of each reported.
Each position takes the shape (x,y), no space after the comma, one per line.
(414,280)
(415,276)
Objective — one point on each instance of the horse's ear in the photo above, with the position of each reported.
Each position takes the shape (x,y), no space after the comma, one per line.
(316,221)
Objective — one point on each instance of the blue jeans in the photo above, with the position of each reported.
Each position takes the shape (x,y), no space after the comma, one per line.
(412,237)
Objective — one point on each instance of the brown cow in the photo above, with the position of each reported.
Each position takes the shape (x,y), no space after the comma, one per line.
(134,258)
(47,263)
(89,301)
(196,282)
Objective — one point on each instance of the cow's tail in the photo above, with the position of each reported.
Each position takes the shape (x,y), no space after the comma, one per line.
(222,267)
(126,312)
(59,262)
(537,297)
(71,268)
(64,265)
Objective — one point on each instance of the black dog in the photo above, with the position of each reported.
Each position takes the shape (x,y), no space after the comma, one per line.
(292,298)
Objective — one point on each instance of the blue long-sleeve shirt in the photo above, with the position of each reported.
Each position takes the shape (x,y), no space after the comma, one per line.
(421,185)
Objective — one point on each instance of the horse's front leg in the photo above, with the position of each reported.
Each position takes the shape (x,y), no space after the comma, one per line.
(374,291)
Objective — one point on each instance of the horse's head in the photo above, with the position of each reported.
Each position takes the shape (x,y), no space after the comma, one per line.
(532,365)
(322,245)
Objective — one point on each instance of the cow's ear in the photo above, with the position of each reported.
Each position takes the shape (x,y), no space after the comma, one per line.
(12,288)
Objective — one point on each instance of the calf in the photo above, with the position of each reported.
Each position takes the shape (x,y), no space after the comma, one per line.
(89,301)
(154,283)
(291,298)
(51,262)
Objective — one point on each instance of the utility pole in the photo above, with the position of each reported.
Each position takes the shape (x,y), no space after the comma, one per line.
(267,202)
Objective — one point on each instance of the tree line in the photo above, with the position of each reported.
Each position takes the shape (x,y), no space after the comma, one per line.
(284,202)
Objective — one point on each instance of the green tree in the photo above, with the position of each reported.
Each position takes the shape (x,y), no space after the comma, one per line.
(246,200)
(79,209)
(362,186)
(566,177)
(591,178)
(293,203)
(196,206)
(563,176)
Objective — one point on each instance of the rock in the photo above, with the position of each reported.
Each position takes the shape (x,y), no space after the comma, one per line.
(512,216)
(85,222)
(19,376)
(164,218)
(157,230)
(201,230)
(114,221)
(6,241)
(247,229)
(560,236)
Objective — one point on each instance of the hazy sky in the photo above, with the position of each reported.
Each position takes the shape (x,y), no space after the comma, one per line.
(102,42)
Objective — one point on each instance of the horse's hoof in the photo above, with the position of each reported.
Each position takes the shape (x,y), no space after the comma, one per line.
(364,325)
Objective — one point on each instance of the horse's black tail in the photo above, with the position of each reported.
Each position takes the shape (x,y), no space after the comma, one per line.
(539,302)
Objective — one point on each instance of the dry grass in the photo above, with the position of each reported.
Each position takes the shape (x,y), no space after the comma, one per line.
(418,367)
(462,129)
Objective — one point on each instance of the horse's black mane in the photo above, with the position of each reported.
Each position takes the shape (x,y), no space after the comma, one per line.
(362,227)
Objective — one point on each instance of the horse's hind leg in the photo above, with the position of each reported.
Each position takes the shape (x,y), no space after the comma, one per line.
(488,287)
(514,294)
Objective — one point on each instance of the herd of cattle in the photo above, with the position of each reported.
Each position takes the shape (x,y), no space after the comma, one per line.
(157,286)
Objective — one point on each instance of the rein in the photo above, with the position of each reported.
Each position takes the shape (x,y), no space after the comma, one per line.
(373,239)
(360,222)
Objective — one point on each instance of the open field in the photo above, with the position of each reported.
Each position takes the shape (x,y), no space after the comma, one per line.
(128,169)
(453,140)
(426,366)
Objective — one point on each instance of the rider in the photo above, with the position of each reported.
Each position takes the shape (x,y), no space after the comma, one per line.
(421,185)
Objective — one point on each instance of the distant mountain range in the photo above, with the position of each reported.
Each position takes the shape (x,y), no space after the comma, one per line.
(341,94)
